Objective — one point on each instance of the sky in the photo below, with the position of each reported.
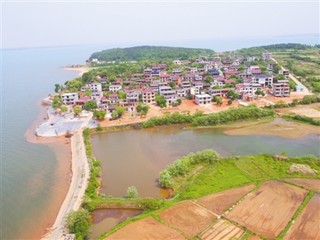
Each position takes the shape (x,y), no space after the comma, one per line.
(58,23)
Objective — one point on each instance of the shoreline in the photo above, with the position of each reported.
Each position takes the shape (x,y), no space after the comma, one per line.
(80,69)
(77,170)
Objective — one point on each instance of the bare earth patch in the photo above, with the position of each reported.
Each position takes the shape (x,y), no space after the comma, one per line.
(188,217)
(269,209)
(222,230)
(146,229)
(278,127)
(311,184)
(307,225)
(302,168)
(254,237)
(221,201)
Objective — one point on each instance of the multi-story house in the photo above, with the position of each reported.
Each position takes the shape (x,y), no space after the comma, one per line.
(148,96)
(203,99)
(265,80)
(281,88)
(69,98)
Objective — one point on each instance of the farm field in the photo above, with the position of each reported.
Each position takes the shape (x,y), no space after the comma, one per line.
(269,209)
(146,229)
(188,217)
(311,184)
(222,230)
(220,202)
(307,225)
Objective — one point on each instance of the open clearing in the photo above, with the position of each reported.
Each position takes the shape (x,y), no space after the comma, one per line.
(220,202)
(146,229)
(222,230)
(269,209)
(307,225)
(188,217)
(311,184)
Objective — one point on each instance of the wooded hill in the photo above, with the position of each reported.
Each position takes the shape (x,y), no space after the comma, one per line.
(149,53)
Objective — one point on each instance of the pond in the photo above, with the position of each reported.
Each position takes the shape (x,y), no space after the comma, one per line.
(135,157)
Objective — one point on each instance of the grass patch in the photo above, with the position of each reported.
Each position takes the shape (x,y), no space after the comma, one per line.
(213,178)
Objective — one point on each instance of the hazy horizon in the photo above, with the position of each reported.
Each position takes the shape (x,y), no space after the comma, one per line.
(186,24)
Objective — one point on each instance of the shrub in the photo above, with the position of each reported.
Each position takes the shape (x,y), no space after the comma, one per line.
(78,222)
(132,192)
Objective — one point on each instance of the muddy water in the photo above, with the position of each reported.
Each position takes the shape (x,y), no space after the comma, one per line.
(135,157)
(105,219)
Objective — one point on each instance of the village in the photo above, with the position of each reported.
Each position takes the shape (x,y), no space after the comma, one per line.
(219,83)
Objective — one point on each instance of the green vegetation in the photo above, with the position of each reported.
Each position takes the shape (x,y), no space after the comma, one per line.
(183,166)
(142,109)
(149,53)
(118,112)
(303,119)
(90,105)
(57,102)
(231,115)
(161,101)
(199,119)
(78,222)
(132,192)
(99,114)
(77,110)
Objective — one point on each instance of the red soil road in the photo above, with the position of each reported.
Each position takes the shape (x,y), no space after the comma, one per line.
(188,217)
(269,209)
(146,229)
(220,202)
(311,184)
(307,225)
(222,230)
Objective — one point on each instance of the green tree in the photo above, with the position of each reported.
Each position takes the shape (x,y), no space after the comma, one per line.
(142,109)
(118,112)
(218,100)
(232,94)
(63,108)
(88,93)
(209,79)
(280,77)
(132,192)
(57,102)
(77,110)
(259,92)
(99,114)
(165,179)
(78,222)
(161,101)
(122,95)
(74,85)
(172,84)
(57,87)
(276,68)
(230,101)
(90,105)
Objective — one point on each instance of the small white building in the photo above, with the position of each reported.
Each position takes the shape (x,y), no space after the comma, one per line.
(115,87)
(93,87)
(203,99)
(70,98)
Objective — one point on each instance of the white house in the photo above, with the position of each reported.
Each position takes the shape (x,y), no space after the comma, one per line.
(203,99)
(70,98)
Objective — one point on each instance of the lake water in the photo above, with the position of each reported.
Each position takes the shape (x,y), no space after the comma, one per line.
(33,182)
(139,155)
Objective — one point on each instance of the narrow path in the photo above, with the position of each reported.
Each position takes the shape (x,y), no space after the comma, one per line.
(80,176)
(305,90)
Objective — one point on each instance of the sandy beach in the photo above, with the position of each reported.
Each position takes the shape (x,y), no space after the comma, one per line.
(80,69)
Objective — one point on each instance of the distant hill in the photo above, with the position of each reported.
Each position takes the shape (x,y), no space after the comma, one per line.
(149,52)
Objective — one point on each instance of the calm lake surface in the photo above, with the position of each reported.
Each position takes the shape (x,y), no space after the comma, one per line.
(136,157)
(33,182)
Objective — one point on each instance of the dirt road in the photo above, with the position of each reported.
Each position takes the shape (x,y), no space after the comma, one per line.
(305,90)
(80,176)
